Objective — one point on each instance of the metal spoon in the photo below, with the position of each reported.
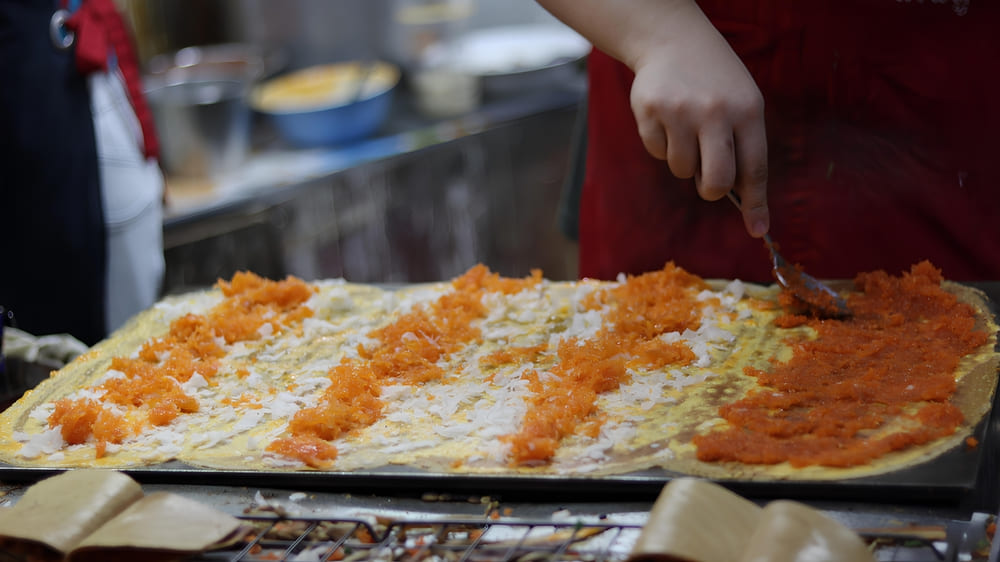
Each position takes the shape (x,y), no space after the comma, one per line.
(820,299)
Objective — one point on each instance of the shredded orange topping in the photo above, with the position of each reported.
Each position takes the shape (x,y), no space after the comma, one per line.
(893,359)
(643,308)
(149,390)
(515,355)
(896,356)
(408,352)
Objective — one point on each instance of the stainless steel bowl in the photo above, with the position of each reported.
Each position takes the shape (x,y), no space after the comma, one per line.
(198,96)
(203,126)
(328,104)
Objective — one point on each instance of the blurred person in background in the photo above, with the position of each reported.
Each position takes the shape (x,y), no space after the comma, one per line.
(860,133)
(80,189)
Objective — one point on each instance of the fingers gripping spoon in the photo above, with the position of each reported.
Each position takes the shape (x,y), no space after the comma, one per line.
(820,299)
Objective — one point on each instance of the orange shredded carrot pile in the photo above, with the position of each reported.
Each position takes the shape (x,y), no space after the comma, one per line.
(514,355)
(150,390)
(352,402)
(899,349)
(642,308)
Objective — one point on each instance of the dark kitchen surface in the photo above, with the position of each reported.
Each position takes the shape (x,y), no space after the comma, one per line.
(405,131)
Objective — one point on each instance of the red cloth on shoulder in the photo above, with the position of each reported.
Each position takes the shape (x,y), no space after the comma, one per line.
(882,122)
(101,30)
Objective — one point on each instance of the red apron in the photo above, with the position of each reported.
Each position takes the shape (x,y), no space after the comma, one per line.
(882,122)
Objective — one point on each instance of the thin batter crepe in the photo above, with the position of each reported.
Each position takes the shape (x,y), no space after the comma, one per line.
(485,375)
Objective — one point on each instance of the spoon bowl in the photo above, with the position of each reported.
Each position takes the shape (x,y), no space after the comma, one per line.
(820,299)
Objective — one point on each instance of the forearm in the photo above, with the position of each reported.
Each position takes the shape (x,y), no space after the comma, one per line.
(630,29)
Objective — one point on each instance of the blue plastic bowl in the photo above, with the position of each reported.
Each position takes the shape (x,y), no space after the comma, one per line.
(336,122)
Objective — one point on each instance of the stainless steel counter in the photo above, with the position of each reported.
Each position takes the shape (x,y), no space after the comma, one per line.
(423,201)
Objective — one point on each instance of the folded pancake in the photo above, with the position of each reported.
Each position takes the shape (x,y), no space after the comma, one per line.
(61,511)
(103,515)
(685,522)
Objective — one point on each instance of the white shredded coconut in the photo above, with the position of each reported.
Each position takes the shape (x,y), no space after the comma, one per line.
(250,420)
(45,443)
(110,375)
(194,383)
(88,394)
(42,412)
(284,405)
(253,379)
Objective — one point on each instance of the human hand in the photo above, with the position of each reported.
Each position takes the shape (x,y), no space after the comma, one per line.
(698,108)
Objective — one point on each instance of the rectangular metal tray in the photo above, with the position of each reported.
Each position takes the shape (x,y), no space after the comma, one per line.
(963,476)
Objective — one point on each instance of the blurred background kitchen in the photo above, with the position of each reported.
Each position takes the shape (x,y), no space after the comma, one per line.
(381,141)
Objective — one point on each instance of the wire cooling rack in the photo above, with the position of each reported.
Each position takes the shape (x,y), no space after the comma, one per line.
(303,539)
(316,539)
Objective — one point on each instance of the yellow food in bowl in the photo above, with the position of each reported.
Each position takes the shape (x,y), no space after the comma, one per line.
(323,86)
